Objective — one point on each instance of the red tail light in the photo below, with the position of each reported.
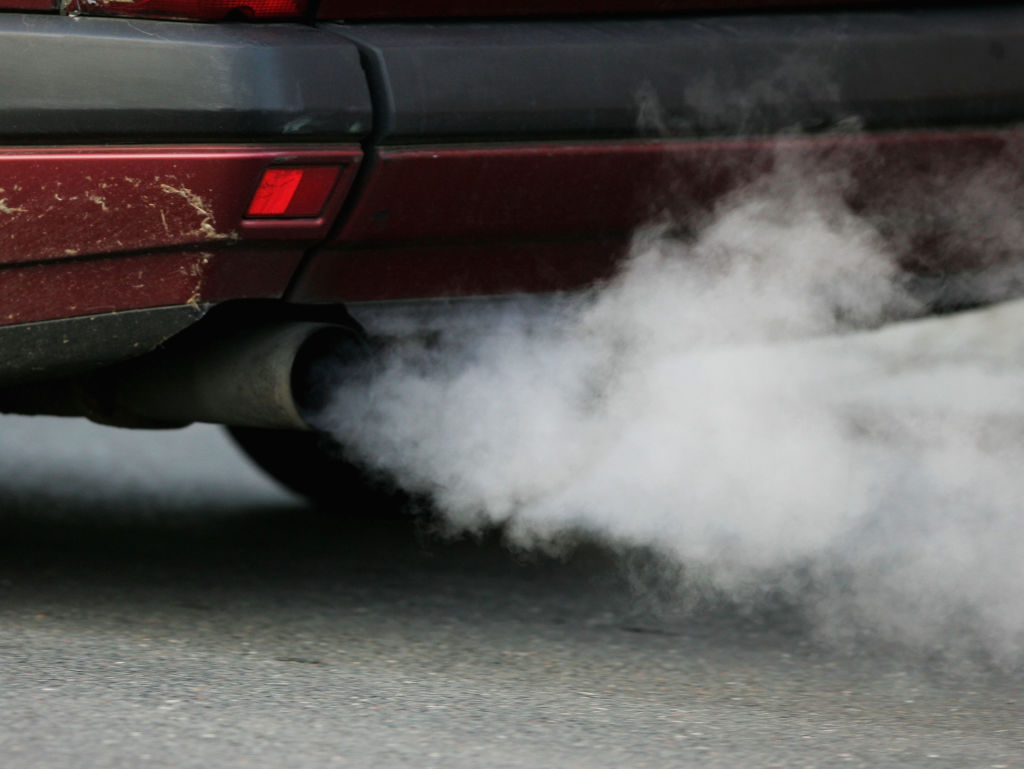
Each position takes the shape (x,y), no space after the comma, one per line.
(192,10)
(293,192)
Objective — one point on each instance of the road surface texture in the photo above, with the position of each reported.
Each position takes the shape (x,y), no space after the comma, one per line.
(162,605)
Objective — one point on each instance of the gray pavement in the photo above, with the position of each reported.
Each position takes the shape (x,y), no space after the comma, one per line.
(163,605)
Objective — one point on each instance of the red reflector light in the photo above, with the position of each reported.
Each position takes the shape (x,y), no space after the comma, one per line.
(191,10)
(293,193)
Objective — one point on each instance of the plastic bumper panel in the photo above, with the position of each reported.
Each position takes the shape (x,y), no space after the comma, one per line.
(699,76)
(76,79)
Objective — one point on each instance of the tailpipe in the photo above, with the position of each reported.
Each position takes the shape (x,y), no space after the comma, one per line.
(264,377)
(276,376)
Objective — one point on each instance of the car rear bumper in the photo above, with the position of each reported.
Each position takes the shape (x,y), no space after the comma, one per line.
(74,80)
(698,77)
(86,80)
(486,157)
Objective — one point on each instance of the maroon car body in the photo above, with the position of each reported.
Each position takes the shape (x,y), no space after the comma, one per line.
(323,155)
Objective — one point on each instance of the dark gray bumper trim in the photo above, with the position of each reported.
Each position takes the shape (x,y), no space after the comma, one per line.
(696,76)
(63,347)
(82,79)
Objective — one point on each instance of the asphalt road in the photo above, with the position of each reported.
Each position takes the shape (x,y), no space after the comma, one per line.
(163,605)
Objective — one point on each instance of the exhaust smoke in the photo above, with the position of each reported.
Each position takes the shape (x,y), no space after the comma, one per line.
(733,401)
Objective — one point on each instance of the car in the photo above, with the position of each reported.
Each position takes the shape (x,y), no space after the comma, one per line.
(201,199)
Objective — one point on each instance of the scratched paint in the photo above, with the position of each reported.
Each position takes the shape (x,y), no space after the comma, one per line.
(203,209)
(90,203)
(88,231)
(69,288)
(104,213)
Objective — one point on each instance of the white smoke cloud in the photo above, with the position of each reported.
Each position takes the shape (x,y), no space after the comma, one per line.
(721,402)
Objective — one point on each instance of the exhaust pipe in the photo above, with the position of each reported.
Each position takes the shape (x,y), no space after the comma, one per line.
(273,376)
